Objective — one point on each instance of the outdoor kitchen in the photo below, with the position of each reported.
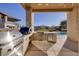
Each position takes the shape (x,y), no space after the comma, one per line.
(16,40)
(11,40)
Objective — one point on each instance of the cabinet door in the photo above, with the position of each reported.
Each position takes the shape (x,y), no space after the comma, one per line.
(25,44)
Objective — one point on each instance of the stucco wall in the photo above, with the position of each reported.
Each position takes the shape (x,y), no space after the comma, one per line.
(78,28)
(72,24)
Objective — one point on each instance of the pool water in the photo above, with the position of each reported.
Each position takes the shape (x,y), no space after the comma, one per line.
(62,33)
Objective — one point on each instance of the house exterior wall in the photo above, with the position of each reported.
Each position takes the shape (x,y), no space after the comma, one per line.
(3,20)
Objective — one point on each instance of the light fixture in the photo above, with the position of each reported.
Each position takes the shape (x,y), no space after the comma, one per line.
(47,4)
(39,4)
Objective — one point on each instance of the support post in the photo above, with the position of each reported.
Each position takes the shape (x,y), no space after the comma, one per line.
(6,19)
(32,22)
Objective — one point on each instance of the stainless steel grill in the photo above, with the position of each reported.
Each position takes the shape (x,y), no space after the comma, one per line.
(11,43)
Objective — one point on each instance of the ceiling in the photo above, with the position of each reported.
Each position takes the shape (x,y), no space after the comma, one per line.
(39,7)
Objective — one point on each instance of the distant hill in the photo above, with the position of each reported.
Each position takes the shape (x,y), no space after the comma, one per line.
(41,27)
(46,28)
(61,27)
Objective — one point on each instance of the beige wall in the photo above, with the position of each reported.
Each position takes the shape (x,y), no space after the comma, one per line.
(78,28)
(78,22)
(72,24)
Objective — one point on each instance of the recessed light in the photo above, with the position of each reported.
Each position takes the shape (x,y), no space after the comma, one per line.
(47,4)
(39,4)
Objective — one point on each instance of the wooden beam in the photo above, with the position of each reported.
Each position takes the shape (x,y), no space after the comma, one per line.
(23,5)
(43,7)
(26,5)
(51,10)
(51,7)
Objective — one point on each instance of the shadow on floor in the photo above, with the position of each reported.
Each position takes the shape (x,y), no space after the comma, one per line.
(70,48)
(34,51)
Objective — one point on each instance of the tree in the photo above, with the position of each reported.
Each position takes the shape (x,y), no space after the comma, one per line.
(63,24)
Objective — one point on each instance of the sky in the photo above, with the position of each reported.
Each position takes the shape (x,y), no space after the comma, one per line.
(49,18)
(14,10)
(42,18)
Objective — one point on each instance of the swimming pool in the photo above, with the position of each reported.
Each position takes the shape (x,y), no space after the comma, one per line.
(62,33)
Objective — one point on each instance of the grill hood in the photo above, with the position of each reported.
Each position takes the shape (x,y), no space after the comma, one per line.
(8,36)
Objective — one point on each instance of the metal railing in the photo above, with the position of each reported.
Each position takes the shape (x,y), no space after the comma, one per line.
(12,23)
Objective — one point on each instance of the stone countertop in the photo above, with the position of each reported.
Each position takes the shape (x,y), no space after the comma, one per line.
(55,49)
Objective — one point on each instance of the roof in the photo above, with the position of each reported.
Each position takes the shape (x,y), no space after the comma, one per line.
(10,18)
(13,19)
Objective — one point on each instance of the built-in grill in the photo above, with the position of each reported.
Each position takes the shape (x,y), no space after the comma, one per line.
(11,43)
(10,38)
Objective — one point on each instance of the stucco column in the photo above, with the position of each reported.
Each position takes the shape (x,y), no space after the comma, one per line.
(28,17)
(72,24)
(32,22)
(6,19)
(78,27)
